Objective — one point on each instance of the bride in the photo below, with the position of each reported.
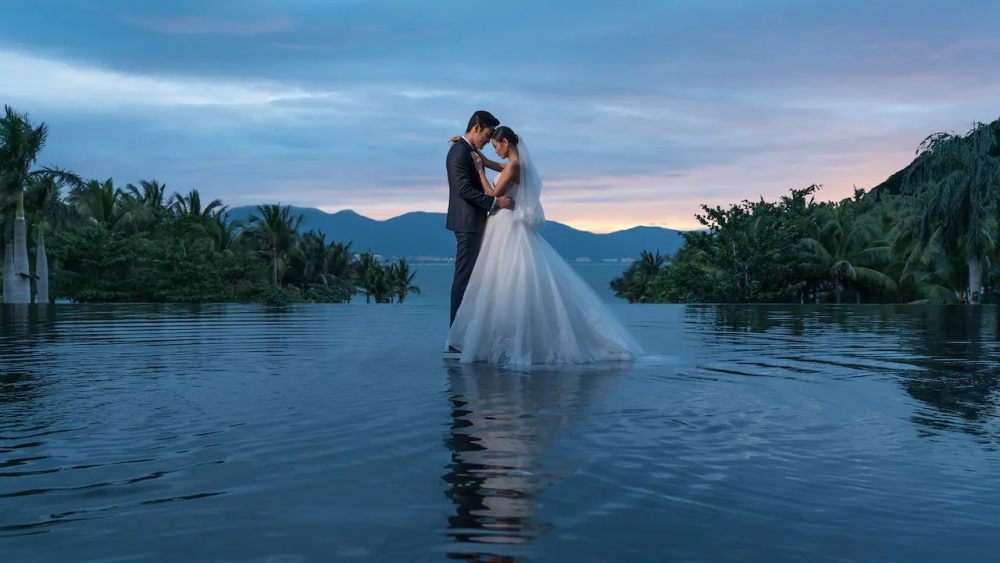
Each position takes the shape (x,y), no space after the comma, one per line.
(524,304)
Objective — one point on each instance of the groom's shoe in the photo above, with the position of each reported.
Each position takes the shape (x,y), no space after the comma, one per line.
(452,353)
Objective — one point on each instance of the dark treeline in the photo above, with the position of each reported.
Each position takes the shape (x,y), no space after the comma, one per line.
(927,234)
(90,241)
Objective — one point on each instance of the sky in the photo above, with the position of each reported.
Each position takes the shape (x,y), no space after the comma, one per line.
(635,114)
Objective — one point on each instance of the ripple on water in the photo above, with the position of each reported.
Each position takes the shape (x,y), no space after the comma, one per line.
(228,432)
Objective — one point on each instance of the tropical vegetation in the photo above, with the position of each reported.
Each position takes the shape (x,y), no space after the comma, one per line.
(929,233)
(95,241)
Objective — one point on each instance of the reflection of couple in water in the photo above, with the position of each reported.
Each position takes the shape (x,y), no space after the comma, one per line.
(503,423)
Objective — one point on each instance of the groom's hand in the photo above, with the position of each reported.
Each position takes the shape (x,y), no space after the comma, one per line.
(505,202)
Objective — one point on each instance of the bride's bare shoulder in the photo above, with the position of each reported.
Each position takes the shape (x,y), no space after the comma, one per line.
(516,171)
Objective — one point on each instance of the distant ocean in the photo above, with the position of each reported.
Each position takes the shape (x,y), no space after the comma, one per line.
(434,281)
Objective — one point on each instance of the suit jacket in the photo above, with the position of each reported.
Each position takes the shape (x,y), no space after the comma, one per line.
(468,204)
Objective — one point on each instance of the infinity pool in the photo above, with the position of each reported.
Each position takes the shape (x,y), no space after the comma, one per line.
(318,433)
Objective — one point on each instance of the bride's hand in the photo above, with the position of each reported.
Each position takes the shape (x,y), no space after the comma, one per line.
(478,159)
(454,139)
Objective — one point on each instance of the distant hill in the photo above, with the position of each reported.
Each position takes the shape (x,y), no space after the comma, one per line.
(422,234)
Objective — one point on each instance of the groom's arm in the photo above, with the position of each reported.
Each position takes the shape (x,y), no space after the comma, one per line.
(460,174)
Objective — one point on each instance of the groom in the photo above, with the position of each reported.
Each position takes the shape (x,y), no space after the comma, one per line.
(468,205)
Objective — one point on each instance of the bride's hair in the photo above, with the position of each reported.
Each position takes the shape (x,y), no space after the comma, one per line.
(504,133)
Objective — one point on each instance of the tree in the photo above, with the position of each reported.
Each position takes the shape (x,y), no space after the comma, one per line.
(402,280)
(340,261)
(20,144)
(370,276)
(8,271)
(190,206)
(107,244)
(274,227)
(937,273)
(635,284)
(958,178)
(46,211)
(144,207)
(151,193)
(224,232)
(21,284)
(375,280)
(847,253)
(97,202)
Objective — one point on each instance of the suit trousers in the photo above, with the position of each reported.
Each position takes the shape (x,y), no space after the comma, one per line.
(466,254)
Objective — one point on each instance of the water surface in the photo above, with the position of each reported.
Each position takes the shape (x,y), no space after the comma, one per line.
(336,432)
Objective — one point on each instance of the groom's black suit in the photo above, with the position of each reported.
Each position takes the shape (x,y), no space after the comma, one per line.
(468,207)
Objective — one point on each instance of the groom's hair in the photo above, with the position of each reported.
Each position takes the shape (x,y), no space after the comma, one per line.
(482,118)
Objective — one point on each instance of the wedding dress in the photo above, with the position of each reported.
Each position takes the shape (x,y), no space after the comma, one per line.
(525,304)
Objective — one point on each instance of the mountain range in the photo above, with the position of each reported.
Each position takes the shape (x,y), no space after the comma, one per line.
(421,235)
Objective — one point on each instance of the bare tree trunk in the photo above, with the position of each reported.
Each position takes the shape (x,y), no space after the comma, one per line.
(274,269)
(22,279)
(975,281)
(42,269)
(8,272)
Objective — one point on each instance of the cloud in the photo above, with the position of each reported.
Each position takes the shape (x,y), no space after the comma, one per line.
(634,116)
(48,83)
(202,25)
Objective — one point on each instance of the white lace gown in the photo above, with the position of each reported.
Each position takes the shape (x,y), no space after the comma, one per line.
(525,304)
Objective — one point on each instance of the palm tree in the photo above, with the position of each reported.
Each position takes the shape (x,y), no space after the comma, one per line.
(274,226)
(8,271)
(21,283)
(190,206)
(151,193)
(313,253)
(144,206)
(921,265)
(368,274)
(402,279)
(46,210)
(936,272)
(635,283)
(650,264)
(98,202)
(846,252)
(382,285)
(224,232)
(959,177)
(20,144)
(340,262)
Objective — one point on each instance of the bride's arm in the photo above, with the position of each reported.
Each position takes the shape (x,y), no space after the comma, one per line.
(498,166)
(503,180)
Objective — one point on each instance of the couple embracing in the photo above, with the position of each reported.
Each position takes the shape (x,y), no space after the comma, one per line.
(514,299)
